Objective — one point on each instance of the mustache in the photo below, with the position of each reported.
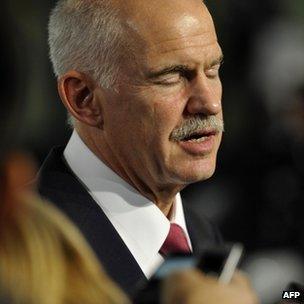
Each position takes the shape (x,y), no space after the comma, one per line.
(196,124)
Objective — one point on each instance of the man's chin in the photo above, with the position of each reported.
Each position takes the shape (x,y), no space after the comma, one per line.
(195,174)
(198,178)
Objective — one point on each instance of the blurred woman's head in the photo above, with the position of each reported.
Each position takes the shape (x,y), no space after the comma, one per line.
(44,259)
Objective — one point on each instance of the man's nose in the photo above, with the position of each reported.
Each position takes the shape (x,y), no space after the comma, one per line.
(205,97)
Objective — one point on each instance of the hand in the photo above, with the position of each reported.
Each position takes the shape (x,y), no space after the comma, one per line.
(193,287)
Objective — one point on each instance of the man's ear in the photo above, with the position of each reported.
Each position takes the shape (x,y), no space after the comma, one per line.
(78,94)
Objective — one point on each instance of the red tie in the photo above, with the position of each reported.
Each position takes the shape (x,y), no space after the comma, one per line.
(176,242)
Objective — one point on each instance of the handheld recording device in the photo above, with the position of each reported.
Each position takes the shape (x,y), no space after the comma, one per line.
(220,262)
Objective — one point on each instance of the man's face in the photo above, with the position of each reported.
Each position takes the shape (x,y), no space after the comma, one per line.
(173,78)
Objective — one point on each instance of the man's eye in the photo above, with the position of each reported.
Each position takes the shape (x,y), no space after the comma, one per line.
(213,72)
(169,79)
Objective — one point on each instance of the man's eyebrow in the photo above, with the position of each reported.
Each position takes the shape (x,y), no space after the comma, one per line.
(168,70)
(217,61)
(181,68)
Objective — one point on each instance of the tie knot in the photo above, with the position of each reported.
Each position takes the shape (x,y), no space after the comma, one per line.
(176,242)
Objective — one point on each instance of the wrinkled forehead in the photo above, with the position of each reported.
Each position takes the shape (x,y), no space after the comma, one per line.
(158,21)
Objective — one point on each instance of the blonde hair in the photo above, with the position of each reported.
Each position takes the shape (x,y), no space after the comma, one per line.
(45,260)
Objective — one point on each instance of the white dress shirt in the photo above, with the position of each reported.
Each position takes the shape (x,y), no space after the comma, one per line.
(139,222)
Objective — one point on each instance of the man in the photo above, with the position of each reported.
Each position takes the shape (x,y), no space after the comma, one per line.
(140,80)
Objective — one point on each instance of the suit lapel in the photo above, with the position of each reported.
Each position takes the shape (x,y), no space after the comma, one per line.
(58,184)
(203,234)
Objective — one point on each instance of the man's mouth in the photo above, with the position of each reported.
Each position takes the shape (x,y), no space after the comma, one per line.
(199,136)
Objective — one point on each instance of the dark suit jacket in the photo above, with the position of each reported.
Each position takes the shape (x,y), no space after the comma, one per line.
(57,183)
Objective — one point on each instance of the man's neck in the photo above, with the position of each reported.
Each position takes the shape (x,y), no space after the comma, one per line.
(162,196)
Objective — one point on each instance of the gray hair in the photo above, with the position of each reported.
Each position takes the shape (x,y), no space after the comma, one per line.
(87,36)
